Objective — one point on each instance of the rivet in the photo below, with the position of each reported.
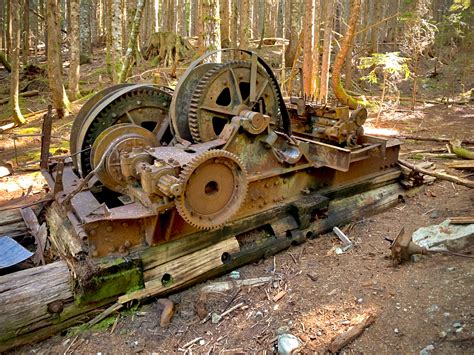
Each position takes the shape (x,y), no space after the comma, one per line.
(109,229)
(92,232)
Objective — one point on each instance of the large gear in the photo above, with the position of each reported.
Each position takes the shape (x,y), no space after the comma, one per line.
(146,106)
(214,186)
(224,91)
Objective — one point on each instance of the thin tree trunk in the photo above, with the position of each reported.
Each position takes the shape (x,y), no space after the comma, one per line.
(75,49)
(85,30)
(14,17)
(316,55)
(280,27)
(60,100)
(26,31)
(8,30)
(199,26)
(212,37)
(308,21)
(225,24)
(338,90)
(234,24)
(108,38)
(132,42)
(116,39)
(293,31)
(245,29)
(328,23)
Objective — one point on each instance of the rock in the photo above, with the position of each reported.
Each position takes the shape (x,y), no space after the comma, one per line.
(258,314)
(434,214)
(433,308)
(235,275)
(446,314)
(451,268)
(215,318)
(459,330)
(287,343)
(427,350)
(444,235)
(457,325)
(283,330)
(360,300)
(442,334)
(202,342)
(396,331)
(415,258)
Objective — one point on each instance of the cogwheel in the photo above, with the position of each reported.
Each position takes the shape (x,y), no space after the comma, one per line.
(145,106)
(214,188)
(223,92)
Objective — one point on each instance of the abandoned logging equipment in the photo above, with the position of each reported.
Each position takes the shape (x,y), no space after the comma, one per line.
(164,187)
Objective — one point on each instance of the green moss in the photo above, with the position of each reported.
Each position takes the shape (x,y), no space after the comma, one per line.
(28,130)
(116,277)
(417,156)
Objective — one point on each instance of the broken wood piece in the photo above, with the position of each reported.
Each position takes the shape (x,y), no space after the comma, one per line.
(342,237)
(39,232)
(446,177)
(167,313)
(341,340)
(114,308)
(189,343)
(279,296)
(461,220)
(461,164)
(24,94)
(228,285)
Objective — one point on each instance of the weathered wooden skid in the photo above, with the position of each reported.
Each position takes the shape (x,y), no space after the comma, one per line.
(12,224)
(203,251)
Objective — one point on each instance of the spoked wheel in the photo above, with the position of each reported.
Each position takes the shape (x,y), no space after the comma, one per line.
(143,105)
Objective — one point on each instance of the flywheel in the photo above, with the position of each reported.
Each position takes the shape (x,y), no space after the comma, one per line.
(142,105)
(214,188)
(224,91)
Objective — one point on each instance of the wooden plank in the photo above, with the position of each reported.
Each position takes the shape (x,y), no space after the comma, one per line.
(341,340)
(461,220)
(182,270)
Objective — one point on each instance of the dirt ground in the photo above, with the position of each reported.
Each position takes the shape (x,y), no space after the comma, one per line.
(428,302)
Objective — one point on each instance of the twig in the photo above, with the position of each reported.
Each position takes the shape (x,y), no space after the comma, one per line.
(189,343)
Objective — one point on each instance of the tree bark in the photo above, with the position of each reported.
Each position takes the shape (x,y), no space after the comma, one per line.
(339,91)
(116,39)
(308,21)
(85,30)
(26,31)
(225,23)
(316,55)
(328,23)
(211,33)
(234,24)
(18,118)
(60,101)
(245,29)
(74,49)
(294,10)
(132,42)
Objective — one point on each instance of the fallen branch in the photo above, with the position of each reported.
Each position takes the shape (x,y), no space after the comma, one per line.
(23,94)
(416,138)
(460,151)
(115,307)
(341,340)
(446,177)
(461,164)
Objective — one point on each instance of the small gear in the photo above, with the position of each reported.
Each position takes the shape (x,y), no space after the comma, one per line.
(223,92)
(214,187)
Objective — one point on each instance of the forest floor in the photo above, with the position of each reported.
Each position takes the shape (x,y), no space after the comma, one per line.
(428,302)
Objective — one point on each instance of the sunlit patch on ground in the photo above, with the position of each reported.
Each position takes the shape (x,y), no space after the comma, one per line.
(380,131)
(15,186)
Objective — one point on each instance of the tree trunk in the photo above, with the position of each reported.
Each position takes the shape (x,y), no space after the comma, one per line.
(199,26)
(18,118)
(338,90)
(281,20)
(293,20)
(116,39)
(308,21)
(108,38)
(85,30)
(74,49)
(132,42)
(234,24)
(328,23)
(374,32)
(180,18)
(211,34)
(60,101)
(225,23)
(316,55)
(26,31)
(245,29)
(8,30)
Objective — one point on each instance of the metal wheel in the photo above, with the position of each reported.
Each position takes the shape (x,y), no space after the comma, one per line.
(225,91)
(146,106)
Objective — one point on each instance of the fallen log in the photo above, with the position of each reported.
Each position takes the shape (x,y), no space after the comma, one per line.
(167,267)
(23,94)
(442,176)
(341,340)
(460,151)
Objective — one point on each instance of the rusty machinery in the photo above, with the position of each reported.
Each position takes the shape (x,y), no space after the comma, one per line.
(151,164)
